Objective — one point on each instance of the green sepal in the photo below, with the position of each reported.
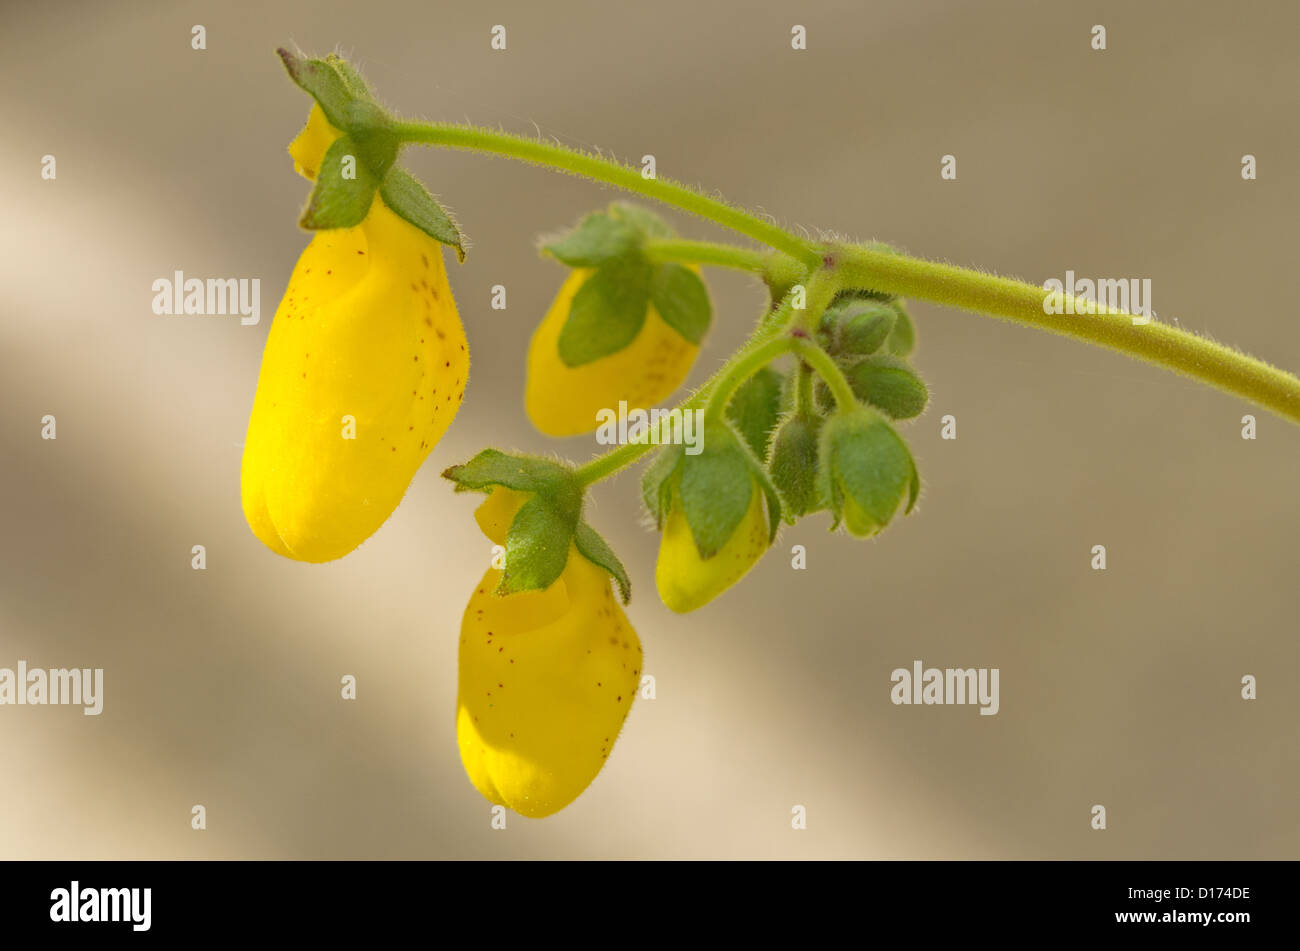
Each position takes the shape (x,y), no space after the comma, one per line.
(863,327)
(755,408)
(681,299)
(597,551)
(352,79)
(409,200)
(902,340)
(641,220)
(538,541)
(371,130)
(338,202)
(715,489)
(864,471)
(349,106)
(492,467)
(367,134)
(324,82)
(607,312)
(656,482)
(598,238)
(890,384)
(913,487)
(793,464)
(775,507)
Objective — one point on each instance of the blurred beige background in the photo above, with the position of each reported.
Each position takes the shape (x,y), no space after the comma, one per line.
(222,687)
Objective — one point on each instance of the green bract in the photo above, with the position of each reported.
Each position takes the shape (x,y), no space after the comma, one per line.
(539,537)
(715,487)
(362,160)
(755,408)
(610,308)
(342,196)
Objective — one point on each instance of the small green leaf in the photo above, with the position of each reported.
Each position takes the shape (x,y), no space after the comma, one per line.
(902,341)
(889,384)
(410,201)
(321,80)
(537,544)
(642,220)
(755,408)
(336,201)
(656,482)
(716,488)
(607,312)
(596,550)
(597,238)
(492,467)
(682,301)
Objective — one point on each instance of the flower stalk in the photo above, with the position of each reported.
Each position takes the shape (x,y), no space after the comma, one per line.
(863,267)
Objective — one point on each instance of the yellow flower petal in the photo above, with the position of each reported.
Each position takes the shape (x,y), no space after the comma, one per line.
(563,400)
(684,579)
(309,148)
(364,369)
(546,680)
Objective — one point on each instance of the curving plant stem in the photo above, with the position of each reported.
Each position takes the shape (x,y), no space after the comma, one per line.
(858,266)
(1186,353)
(450,135)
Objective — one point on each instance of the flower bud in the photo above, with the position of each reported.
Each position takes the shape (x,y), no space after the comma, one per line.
(793,464)
(890,384)
(716,525)
(866,471)
(863,327)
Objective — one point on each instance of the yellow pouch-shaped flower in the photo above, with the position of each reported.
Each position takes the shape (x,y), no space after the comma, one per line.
(364,369)
(546,679)
(563,400)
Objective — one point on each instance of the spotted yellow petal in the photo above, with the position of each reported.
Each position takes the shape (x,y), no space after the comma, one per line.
(684,579)
(364,369)
(563,400)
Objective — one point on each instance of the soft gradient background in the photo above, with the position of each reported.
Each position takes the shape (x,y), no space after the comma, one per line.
(222,687)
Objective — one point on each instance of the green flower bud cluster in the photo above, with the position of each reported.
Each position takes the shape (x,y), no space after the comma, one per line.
(848,460)
(871,340)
